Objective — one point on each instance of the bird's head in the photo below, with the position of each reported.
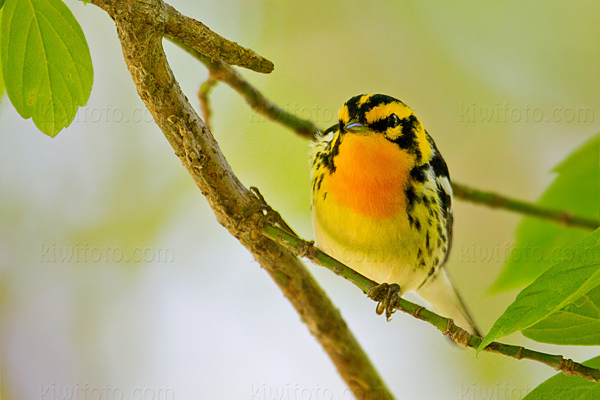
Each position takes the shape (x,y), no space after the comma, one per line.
(379,114)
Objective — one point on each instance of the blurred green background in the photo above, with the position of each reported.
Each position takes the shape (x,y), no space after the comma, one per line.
(116,276)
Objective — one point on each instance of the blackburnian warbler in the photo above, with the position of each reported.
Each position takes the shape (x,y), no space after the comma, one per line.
(382,202)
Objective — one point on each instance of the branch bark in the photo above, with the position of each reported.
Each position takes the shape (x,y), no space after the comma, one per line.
(196,35)
(141,27)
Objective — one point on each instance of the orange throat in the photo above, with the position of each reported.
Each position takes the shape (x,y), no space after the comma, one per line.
(370,176)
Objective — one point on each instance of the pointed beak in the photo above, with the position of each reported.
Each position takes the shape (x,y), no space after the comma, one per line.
(355,127)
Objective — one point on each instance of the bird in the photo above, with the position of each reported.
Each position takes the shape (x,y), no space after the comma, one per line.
(382,203)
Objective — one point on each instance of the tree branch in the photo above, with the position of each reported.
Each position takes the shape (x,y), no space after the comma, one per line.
(306,249)
(141,27)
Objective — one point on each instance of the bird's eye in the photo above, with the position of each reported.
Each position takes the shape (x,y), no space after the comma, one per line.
(393,121)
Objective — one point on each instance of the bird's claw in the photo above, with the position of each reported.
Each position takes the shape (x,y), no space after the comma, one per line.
(387,296)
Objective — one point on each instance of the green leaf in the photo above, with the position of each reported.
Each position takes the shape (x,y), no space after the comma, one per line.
(540,244)
(46,62)
(576,324)
(1,84)
(556,288)
(562,387)
(2,88)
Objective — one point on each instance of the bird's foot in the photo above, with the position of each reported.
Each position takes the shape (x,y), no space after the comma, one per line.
(387,296)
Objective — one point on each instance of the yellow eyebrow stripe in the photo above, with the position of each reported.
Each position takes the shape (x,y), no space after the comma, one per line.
(384,110)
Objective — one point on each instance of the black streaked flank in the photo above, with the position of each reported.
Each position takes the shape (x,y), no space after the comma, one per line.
(318,182)
(411,197)
(418,173)
(439,230)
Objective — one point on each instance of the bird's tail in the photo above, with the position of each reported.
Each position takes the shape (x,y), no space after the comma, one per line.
(446,301)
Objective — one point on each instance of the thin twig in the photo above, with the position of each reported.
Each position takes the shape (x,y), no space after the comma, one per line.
(204,99)
(499,201)
(445,325)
